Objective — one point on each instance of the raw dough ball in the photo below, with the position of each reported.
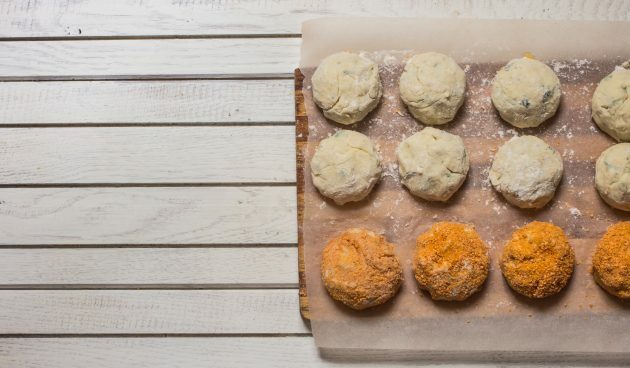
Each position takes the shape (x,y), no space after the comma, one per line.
(345,167)
(347,87)
(433,86)
(611,104)
(526,92)
(612,176)
(433,164)
(527,171)
(451,261)
(359,269)
(538,261)
(611,261)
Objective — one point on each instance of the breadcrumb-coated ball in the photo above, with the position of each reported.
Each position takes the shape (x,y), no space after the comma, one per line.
(451,261)
(360,269)
(611,261)
(538,261)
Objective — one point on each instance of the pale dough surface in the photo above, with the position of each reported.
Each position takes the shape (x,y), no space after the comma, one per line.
(432,86)
(433,164)
(346,86)
(611,104)
(612,176)
(345,167)
(526,92)
(526,171)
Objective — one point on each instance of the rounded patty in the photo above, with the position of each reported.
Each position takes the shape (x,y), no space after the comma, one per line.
(612,176)
(526,92)
(359,269)
(346,86)
(611,261)
(538,261)
(451,261)
(611,104)
(526,171)
(432,86)
(433,164)
(345,167)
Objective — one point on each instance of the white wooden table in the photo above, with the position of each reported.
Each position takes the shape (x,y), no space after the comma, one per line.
(147,198)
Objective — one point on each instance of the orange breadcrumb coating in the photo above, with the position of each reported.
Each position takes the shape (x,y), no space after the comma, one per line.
(451,261)
(611,261)
(359,269)
(538,261)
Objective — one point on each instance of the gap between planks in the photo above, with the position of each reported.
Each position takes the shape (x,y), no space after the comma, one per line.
(152,335)
(151,185)
(150,246)
(148,124)
(145,78)
(153,37)
(60,287)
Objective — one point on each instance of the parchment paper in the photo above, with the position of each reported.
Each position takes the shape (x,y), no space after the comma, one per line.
(582,318)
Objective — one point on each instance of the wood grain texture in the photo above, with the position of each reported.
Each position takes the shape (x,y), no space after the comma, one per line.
(147,155)
(301,139)
(144,267)
(249,352)
(94,18)
(175,216)
(146,102)
(150,311)
(189,352)
(147,215)
(148,58)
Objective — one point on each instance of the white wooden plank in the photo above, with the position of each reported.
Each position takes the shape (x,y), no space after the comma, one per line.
(81,18)
(147,155)
(190,352)
(148,58)
(142,267)
(146,102)
(150,311)
(249,352)
(147,215)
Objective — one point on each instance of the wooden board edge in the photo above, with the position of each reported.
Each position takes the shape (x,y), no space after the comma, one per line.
(301,137)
